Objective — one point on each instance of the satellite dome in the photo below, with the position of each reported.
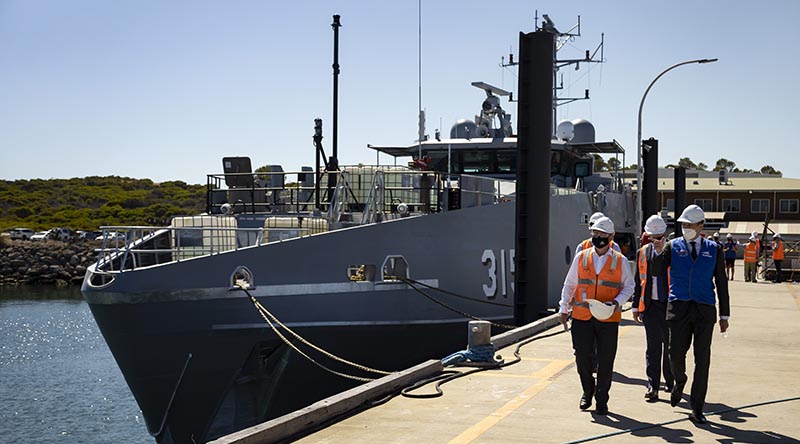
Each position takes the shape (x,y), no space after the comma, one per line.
(584,131)
(464,129)
(565,130)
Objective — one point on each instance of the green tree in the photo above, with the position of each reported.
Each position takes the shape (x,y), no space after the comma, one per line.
(702,167)
(768,169)
(614,163)
(687,163)
(600,163)
(724,164)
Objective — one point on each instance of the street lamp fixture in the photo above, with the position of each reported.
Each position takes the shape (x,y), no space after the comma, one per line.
(639,166)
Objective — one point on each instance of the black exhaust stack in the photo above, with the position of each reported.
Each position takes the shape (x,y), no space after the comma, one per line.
(650,179)
(535,106)
(333,163)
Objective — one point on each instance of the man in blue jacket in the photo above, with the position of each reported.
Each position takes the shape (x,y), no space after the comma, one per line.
(695,265)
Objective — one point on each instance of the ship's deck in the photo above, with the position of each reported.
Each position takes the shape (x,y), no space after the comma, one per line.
(536,400)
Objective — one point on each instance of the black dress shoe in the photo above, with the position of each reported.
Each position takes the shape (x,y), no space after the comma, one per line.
(698,417)
(601,409)
(651,395)
(674,398)
(586,401)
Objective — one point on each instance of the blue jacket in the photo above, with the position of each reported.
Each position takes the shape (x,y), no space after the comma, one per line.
(730,252)
(692,280)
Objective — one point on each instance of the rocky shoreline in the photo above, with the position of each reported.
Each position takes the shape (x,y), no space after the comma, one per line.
(47,262)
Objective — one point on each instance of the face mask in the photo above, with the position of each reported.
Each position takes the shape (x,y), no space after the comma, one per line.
(689,234)
(600,242)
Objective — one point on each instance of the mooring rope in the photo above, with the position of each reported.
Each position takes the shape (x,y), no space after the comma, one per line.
(450,375)
(266,314)
(441,290)
(411,283)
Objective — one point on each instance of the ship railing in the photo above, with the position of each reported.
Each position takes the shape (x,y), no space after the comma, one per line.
(357,194)
(130,247)
(561,191)
(477,191)
(342,192)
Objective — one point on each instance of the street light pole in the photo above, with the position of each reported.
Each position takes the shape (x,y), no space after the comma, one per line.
(639,166)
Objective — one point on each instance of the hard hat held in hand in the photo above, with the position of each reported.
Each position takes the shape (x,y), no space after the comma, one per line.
(600,310)
(692,215)
(655,225)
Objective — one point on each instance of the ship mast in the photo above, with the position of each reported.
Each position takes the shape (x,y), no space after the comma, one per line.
(561,39)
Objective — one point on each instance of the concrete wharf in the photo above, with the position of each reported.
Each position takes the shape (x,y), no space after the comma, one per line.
(753,397)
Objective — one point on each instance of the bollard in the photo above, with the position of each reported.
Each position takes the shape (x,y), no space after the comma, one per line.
(479,333)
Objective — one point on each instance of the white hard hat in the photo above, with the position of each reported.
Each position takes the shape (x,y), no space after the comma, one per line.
(692,215)
(752,238)
(604,225)
(729,236)
(716,235)
(776,236)
(600,310)
(594,218)
(655,225)
(754,233)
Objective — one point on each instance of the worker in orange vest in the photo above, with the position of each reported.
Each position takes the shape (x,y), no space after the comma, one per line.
(777,256)
(650,307)
(597,276)
(750,259)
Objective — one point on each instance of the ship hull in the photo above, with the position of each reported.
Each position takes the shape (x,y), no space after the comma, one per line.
(202,362)
(215,375)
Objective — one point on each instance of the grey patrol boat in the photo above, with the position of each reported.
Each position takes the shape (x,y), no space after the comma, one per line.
(380,265)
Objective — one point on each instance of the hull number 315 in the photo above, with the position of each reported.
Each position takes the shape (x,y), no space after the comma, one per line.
(501,272)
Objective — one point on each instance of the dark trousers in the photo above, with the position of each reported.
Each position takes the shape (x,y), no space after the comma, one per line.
(778,265)
(586,336)
(691,321)
(657,354)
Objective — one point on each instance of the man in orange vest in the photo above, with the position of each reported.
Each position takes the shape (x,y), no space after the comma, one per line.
(777,256)
(650,308)
(598,275)
(750,259)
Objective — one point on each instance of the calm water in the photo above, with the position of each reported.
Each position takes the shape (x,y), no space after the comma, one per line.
(58,380)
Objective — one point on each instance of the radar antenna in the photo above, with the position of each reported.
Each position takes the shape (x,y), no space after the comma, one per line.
(491,109)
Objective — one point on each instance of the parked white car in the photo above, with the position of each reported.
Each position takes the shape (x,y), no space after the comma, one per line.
(40,235)
(62,234)
(21,233)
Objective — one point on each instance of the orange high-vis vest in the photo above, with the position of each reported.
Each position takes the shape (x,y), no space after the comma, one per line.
(750,250)
(777,252)
(642,263)
(587,244)
(604,286)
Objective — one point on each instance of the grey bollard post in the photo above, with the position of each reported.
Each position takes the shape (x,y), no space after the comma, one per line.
(479,333)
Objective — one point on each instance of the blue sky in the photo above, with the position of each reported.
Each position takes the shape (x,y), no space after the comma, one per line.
(164,90)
